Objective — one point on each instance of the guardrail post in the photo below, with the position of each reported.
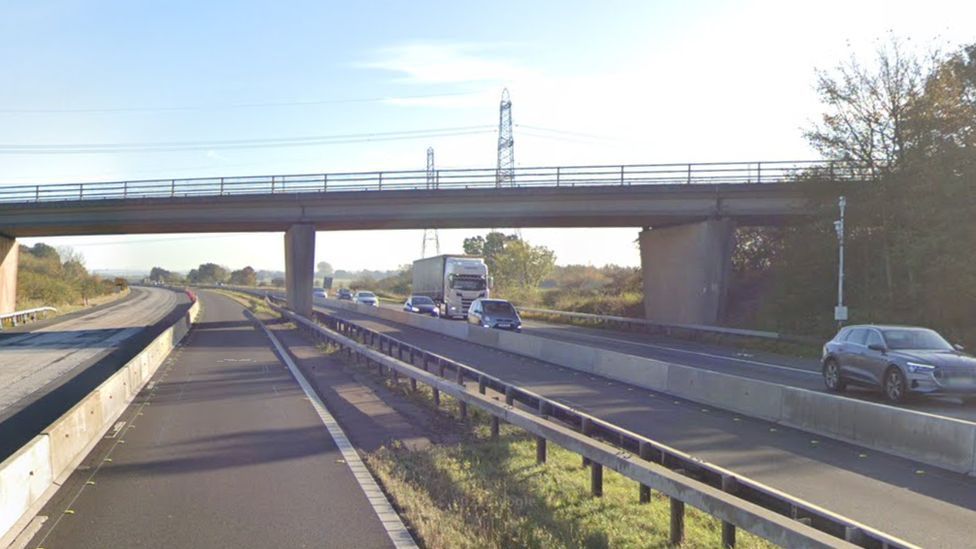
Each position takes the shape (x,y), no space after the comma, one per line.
(509,396)
(729,486)
(853,534)
(221,186)
(645,491)
(437,397)
(482,384)
(272,184)
(125,189)
(621,175)
(380,186)
(540,450)
(81,191)
(494,427)
(325,182)
(758,172)
(172,188)
(677,521)
(689,173)
(596,480)
(585,426)
(557,176)
(440,367)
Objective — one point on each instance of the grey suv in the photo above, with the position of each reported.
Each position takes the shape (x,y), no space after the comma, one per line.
(898,360)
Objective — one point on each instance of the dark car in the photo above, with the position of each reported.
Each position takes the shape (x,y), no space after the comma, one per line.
(899,361)
(421,304)
(344,293)
(494,313)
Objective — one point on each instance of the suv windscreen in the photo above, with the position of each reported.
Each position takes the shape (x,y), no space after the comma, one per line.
(365,294)
(421,300)
(927,340)
(498,308)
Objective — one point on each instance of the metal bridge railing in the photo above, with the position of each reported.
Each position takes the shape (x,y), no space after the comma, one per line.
(476,178)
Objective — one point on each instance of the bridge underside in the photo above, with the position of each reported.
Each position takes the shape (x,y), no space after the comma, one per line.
(684,256)
(639,206)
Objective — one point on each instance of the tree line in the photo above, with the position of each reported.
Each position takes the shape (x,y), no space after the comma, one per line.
(910,120)
(49,276)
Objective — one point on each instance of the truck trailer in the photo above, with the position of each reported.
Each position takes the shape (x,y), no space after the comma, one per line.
(452,281)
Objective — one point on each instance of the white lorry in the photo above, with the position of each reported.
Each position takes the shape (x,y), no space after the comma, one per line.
(452,281)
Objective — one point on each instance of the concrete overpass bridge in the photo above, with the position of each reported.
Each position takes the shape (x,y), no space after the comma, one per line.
(688,213)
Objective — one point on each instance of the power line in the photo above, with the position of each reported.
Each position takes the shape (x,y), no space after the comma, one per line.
(81,148)
(232,106)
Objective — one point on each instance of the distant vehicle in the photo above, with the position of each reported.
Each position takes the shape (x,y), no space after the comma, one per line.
(344,293)
(421,304)
(452,281)
(367,298)
(899,361)
(320,293)
(495,313)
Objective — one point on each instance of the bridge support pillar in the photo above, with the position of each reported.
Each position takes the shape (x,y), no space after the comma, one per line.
(300,267)
(686,270)
(9,258)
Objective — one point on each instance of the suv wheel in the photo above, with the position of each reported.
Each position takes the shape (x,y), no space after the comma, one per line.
(832,379)
(895,387)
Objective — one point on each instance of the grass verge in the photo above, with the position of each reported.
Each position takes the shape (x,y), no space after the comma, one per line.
(481,492)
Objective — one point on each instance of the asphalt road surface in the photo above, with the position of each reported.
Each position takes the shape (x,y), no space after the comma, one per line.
(222,449)
(924,505)
(46,368)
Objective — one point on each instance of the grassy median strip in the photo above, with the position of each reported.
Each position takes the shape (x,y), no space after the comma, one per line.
(479,492)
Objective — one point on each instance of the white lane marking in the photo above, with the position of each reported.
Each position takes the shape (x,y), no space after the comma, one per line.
(394,527)
(700,353)
(116,429)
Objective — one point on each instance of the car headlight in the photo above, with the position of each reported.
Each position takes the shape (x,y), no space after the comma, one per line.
(919,368)
(415,309)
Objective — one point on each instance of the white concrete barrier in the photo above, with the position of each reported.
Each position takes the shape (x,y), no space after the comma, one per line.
(32,475)
(936,440)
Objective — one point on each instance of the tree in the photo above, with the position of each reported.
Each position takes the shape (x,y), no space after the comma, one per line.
(324,269)
(209,273)
(244,277)
(521,265)
(159,274)
(488,246)
(868,108)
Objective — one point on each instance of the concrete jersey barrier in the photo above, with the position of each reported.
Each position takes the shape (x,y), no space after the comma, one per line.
(30,476)
(935,440)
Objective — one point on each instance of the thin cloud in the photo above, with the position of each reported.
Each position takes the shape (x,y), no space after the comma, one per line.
(431,63)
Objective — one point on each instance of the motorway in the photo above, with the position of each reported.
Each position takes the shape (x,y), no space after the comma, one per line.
(919,503)
(54,360)
(222,449)
(798,372)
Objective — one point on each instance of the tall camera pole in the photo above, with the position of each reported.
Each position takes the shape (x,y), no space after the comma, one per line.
(840,311)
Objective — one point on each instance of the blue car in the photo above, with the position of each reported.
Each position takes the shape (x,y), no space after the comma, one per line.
(421,304)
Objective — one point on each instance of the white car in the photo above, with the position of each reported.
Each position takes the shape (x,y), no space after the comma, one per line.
(319,293)
(367,298)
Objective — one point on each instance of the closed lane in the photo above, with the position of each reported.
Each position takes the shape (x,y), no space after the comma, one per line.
(225,450)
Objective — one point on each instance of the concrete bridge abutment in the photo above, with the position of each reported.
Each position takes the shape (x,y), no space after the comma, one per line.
(686,270)
(9,259)
(300,267)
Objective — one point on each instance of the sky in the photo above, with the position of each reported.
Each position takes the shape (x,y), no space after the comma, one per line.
(634,81)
